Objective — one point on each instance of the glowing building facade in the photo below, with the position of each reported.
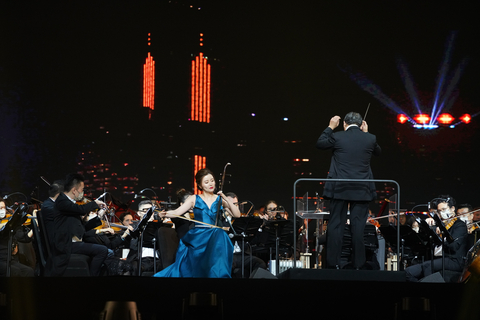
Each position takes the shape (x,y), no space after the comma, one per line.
(149,82)
(200,87)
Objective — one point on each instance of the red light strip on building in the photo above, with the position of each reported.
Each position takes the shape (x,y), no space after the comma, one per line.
(199,163)
(201,84)
(149,83)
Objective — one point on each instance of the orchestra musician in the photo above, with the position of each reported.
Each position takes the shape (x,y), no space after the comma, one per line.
(454,252)
(149,254)
(352,150)
(69,229)
(100,232)
(237,252)
(21,234)
(464,212)
(204,251)
(126,219)
(264,240)
(49,212)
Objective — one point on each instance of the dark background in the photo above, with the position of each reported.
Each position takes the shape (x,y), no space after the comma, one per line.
(71,82)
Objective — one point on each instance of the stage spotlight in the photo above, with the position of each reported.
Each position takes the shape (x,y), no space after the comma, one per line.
(445,119)
(466,118)
(421,118)
(401,118)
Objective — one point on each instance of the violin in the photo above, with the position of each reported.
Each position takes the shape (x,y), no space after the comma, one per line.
(374,222)
(9,215)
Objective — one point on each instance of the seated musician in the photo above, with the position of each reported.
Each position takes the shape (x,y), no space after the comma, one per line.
(264,240)
(181,225)
(97,231)
(464,212)
(237,253)
(69,229)
(126,218)
(454,251)
(22,234)
(49,212)
(149,241)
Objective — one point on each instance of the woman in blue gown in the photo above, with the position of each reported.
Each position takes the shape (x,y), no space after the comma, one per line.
(204,251)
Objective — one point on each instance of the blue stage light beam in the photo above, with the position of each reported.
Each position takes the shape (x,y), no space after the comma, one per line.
(367,85)
(408,83)
(441,76)
(448,98)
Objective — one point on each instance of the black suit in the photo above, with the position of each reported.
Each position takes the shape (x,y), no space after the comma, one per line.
(68,223)
(352,151)
(455,253)
(49,212)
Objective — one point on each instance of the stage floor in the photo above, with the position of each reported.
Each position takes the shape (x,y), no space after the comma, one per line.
(328,294)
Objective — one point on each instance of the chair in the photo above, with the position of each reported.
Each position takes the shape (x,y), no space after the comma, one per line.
(79,264)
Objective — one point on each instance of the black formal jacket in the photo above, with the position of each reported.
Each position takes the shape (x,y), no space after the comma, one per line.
(49,212)
(457,250)
(351,153)
(68,223)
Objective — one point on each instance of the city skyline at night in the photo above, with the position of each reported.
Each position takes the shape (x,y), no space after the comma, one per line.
(276,80)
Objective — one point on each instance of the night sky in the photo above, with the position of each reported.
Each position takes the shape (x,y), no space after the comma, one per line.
(66,70)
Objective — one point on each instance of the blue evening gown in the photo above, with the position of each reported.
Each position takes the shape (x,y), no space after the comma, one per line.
(203,252)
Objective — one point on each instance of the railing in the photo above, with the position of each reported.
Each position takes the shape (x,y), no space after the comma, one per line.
(397,208)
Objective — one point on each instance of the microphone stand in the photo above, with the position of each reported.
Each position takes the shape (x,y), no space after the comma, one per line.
(138,233)
(16,220)
(445,235)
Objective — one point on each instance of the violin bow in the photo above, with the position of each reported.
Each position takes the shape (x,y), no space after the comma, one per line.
(196,221)
(221,189)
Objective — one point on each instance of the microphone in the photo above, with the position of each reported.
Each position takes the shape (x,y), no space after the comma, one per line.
(139,196)
(244,202)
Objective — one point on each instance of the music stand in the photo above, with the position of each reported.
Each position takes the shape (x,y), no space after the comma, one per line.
(16,220)
(247,227)
(138,233)
(408,238)
(445,235)
(282,230)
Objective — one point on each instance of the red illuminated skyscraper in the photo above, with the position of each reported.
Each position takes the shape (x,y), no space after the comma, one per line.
(149,82)
(199,163)
(200,91)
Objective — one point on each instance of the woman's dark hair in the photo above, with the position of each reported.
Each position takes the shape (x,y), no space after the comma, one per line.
(270,201)
(200,175)
(182,196)
(123,215)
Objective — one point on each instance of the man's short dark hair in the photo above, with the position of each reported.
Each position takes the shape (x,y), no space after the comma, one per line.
(144,202)
(72,180)
(447,199)
(56,188)
(353,118)
(231,195)
(465,205)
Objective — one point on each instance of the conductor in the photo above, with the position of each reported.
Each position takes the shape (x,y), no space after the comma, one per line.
(352,150)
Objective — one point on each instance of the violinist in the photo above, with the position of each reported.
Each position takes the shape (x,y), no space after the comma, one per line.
(454,252)
(22,234)
(465,213)
(69,229)
(265,237)
(237,251)
(102,233)
(49,212)
(149,238)
(126,218)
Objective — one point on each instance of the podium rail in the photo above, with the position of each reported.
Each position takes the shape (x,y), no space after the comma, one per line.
(397,208)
